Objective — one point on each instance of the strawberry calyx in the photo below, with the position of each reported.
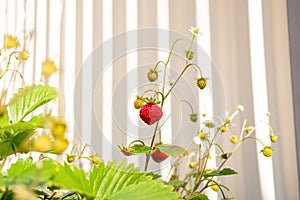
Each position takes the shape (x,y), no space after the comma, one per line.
(134,148)
(151,100)
(125,150)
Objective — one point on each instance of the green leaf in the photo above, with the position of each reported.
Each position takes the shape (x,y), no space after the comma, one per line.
(153,175)
(4,120)
(223,172)
(172,150)
(25,172)
(12,136)
(27,99)
(200,197)
(110,181)
(146,191)
(177,183)
(139,149)
(20,167)
(33,123)
(71,177)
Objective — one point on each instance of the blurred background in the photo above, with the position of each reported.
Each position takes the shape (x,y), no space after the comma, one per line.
(248,46)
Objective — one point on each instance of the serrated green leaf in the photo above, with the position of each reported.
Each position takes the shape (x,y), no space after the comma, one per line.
(139,149)
(177,183)
(105,181)
(33,123)
(200,197)
(27,99)
(116,177)
(20,167)
(223,172)
(171,150)
(153,175)
(12,136)
(146,191)
(25,172)
(71,177)
(4,120)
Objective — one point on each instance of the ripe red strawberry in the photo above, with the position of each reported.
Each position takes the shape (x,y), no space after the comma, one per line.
(150,113)
(158,156)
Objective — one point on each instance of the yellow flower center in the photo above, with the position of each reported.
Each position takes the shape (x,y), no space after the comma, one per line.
(196,31)
(202,136)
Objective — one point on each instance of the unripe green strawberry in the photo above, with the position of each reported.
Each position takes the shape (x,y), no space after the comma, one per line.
(267,151)
(138,103)
(152,75)
(233,139)
(274,137)
(224,128)
(201,82)
(189,55)
(158,156)
(194,117)
(150,113)
(95,159)
(214,187)
(70,158)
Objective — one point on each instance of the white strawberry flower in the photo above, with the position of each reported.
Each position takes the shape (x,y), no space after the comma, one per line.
(195,30)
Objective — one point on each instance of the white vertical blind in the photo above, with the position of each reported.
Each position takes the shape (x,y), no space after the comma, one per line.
(260,98)
(234,35)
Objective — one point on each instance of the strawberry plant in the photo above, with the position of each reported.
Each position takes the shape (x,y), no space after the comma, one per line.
(25,129)
(199,177)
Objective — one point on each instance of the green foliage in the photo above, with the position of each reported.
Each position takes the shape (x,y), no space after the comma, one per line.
(27,99)
(4,120)
(223,172)
(113,181)
(177,183)
(171,150)
(13,130)
(139,149)
(26,172)
(12,136)
(146,191)
(200,197)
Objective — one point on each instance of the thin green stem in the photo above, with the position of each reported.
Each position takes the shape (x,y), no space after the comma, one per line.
(188,103)
(159,63)
(152,143)
(178,78)
(166,64)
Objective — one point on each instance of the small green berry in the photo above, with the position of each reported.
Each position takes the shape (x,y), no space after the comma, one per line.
(201,82)
(152,75)
(193,117)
